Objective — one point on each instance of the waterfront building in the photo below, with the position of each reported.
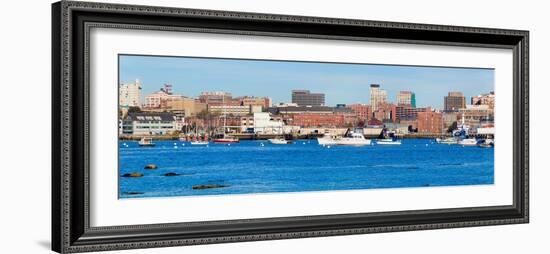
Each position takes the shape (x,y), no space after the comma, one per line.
(406,98)
(476,115)
(412,124)
(307,109)
(129,94)
(218,98)
(235,110)
(385,112)
(485,99)
(454,101)
(378,96)
(317,120)
(408,112)
(306,98)
(262,123)
(189,107)
(486,130)
(362,111)
(429,122)
(449,118)
(149,123)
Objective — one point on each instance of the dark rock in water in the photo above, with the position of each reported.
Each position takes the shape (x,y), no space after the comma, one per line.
(171,174)
(151,166)
(135,174)
(133,193)
(208,186)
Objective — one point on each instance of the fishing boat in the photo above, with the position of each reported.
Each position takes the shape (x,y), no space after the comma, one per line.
(448,141)
(388,141)
(146,141)
(326,140)
(280,141)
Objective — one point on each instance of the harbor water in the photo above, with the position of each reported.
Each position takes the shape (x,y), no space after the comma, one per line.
(252,167)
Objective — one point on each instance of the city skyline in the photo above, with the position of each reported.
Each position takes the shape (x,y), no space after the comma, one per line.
(341,83)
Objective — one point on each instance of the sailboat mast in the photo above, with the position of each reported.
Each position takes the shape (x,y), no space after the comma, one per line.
(224,113)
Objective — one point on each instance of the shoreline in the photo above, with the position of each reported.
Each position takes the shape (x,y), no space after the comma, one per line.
(246,136)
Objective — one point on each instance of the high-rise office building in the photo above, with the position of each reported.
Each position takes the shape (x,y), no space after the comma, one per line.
(378,96)
(306,98)
(454,101)
(130,94)
(406,98)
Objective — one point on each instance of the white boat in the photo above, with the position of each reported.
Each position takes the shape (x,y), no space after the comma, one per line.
(326,140)
(353,139)
(388,141)
(146,141)
(279,141)
(449,141)
(487,143)
(198,142)
(468,142)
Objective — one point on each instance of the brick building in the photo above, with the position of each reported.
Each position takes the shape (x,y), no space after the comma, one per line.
(315,119)
(429,122)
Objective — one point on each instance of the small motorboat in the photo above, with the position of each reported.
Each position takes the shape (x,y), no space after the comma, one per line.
(350,138)
(198,142)
(226,140)
(487,143)
(468,142)
(146,141)
(388,141)
(448,141)
(280,141)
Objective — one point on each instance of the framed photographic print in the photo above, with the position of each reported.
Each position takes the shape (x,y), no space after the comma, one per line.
(181,126)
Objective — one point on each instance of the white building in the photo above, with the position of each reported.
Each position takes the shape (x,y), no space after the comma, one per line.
(377,96)
(262,123)
(129,94)
(150,124)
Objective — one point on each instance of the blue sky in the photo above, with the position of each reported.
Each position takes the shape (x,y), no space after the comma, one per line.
(341,83)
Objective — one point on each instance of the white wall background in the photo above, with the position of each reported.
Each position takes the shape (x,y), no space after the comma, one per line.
(25,125)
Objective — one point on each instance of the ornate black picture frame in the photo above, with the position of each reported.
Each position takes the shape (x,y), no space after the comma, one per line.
(71,231)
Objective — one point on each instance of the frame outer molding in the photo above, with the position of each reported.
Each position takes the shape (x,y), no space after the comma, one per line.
(63,233)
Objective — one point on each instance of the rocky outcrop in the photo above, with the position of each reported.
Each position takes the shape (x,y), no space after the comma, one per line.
(134,174)
(151,166)
(208,186)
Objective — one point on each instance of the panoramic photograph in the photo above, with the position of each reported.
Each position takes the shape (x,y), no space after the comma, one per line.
(191,126)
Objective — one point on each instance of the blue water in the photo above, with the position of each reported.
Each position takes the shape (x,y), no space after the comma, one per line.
(249,167)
